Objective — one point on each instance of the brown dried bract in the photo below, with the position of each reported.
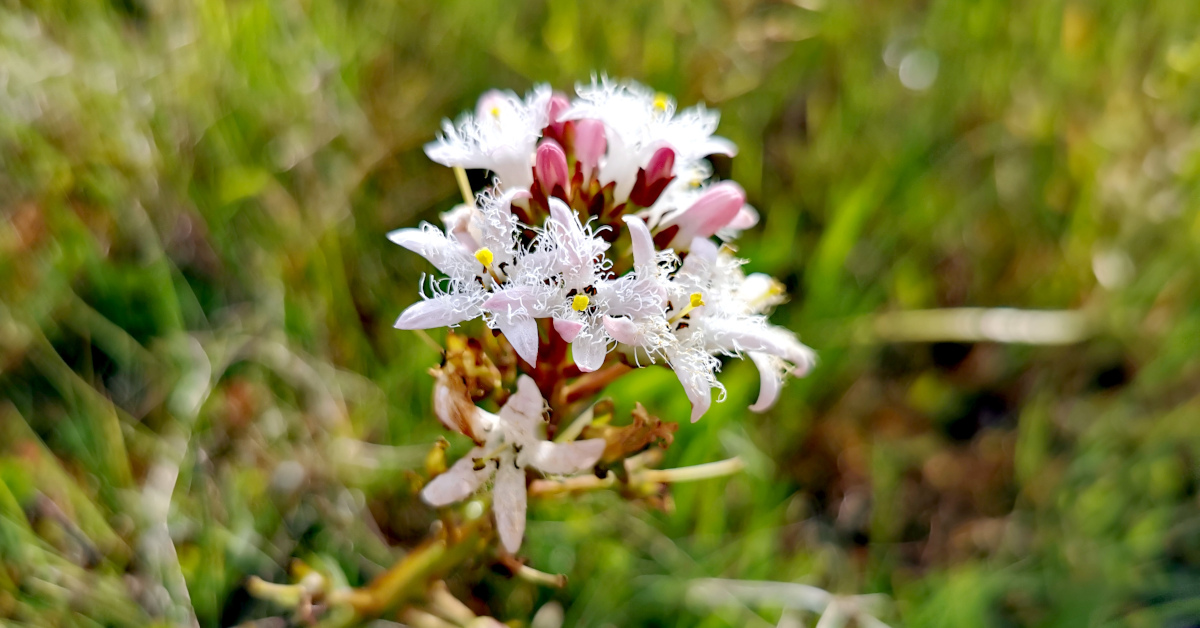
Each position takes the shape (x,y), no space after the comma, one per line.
(629,439)
(466,376)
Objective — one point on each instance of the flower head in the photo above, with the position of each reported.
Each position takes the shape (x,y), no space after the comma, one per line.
(598,233)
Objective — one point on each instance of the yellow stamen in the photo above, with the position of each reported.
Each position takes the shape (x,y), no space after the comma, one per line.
(484,256)
(694,301)
(580,302)
(660,101)
(495,111)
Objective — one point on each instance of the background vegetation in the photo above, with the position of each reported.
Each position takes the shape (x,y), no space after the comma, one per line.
(200,381)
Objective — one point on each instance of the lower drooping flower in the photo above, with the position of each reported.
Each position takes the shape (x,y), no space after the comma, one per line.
(513,443)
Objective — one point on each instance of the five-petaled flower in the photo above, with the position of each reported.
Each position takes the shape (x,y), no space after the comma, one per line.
(513,442)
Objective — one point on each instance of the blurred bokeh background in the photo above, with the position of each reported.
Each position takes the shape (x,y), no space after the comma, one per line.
(199,381)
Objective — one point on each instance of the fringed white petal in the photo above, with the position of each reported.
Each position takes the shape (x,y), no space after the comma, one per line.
(443,311)
(446,254)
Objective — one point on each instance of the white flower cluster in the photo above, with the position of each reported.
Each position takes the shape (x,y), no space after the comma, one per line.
(571,178)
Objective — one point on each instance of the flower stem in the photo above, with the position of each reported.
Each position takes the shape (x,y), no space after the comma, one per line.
(464,186)
(529,574)
(705,471)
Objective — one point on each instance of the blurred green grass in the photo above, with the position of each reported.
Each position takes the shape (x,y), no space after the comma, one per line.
(194,279)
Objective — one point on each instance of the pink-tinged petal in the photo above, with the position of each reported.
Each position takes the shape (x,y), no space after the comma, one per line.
(567,329)
(771,382)
(660,166)
(590,145)
(551,165)
(643,244)
(623,330)
(509,503)
(511,301)
(514,312)
(442,311)
(588,351)
(563,458)
(713,211)
(522,333)
(746,218)
(458,482)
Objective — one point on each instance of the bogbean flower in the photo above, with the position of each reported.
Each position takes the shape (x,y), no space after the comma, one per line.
(512,444)
(600,224)
(720,312)
(500,137)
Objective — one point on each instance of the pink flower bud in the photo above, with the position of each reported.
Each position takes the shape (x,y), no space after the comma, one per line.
(713,211)
(661,163)
(653,179)
(590,145)
(551,167)
(558,104)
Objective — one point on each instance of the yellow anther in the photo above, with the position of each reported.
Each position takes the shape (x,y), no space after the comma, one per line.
(694,301)
(660,101)
(484,256)
(495,111)
(580,302)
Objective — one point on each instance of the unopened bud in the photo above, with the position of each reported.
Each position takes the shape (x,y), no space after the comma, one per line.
(551,167)
(713,211)
(559,103)
(590,144)
(661,163)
